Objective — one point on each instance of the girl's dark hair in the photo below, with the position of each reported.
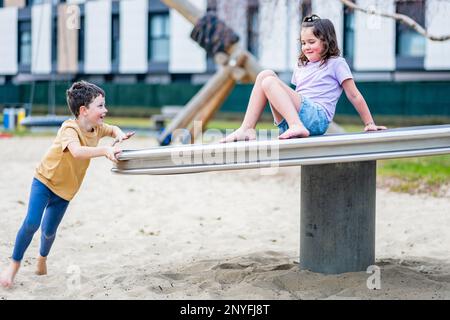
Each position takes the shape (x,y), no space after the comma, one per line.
(82,93)
(323,29)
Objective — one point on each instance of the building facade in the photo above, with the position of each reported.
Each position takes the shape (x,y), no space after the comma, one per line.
(144,41)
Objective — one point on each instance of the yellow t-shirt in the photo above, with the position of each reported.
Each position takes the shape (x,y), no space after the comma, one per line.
(59,170)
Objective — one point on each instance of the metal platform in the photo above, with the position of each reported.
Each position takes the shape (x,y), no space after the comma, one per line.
(388,144)
(338,182)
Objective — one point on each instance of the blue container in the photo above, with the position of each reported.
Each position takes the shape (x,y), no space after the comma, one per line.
(9,119)
(6,118)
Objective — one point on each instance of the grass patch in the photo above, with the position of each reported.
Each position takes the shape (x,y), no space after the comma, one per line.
(143,123)
(416,175)
(393,121)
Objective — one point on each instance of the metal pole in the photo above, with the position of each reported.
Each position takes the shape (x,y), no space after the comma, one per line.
(337,223)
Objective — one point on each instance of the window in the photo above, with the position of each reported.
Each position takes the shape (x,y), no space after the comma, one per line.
(24,43)
(306,8)
(115,38)
(253,30)
(349,33)
(211,5)
(54,40)
(409,43)
(81,40)
(158,48)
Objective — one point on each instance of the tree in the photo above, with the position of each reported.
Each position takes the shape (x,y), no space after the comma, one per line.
(402,18)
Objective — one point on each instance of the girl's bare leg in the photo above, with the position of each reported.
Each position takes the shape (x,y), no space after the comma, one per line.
(268,84)
(7,277)
(255,108)
(287,105)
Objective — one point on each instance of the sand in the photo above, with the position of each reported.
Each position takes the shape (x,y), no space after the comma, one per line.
(227,235)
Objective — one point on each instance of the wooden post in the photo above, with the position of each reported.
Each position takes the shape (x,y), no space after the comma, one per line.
(186,9)
(212,95)
(211,107)
(216,100)
(185,116)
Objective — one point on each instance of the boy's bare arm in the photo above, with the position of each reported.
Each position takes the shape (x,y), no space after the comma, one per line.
(119,135)
(357,100)
(83,152)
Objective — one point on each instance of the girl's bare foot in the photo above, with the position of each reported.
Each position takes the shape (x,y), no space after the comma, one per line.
(240,134)
(41,268)
(7,276)
(295,132)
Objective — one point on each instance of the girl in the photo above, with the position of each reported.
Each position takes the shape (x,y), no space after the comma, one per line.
(319,77)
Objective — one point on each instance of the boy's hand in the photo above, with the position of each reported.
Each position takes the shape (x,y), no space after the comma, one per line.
(122,136)
(373,127)
(112,152)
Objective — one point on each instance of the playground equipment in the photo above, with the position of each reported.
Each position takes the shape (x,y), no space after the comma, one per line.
(235,64)
(13,114)
(338,182)
(44,121)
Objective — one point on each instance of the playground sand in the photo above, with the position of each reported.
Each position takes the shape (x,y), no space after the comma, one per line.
(227,235)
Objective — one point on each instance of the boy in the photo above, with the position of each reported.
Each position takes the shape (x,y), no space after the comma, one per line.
(60,173)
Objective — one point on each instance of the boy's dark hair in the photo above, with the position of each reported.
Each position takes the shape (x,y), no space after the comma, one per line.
(82,93)
(323,29)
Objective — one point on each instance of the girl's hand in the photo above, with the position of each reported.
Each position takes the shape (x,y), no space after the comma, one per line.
(123,136)
(112,152)
(373,127)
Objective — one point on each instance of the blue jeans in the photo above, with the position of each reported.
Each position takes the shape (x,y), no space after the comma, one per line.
(312,116)
(41,198)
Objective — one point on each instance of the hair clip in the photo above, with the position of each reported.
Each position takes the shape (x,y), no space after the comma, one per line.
(311,18)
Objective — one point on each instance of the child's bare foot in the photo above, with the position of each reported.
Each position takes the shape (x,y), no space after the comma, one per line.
(41,268)
(7,276)
(295,132)
(240,135)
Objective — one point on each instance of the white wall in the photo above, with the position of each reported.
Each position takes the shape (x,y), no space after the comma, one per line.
(234,12)
(41,39)
(332,10)
(186,55)
(278,34)
(374,38)
(8,41)
(437,54)
(97,37)
(133,36)
(293,36)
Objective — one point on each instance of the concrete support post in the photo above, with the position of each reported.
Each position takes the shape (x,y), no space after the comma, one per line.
(337,224)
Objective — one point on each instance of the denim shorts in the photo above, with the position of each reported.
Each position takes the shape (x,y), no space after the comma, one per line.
(313,117)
